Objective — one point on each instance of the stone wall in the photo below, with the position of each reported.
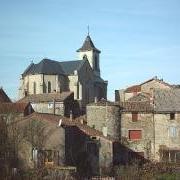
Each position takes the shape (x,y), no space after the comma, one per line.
(145,124)
(153,84)
(104,116)
(164,133)
(43,136)
(157,132)
(48,107)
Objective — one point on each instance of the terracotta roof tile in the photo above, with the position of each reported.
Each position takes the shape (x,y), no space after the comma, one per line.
(135,88)
(3,96)
(68,123)
(13,107)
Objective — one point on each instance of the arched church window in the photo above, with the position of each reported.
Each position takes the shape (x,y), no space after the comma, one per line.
(96,62)
(34,87)
(49,87)
(85,57)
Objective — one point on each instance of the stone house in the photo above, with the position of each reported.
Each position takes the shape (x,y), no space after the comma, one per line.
(63,141)
(150,125)
(53,103)
(79,76)
(145,87)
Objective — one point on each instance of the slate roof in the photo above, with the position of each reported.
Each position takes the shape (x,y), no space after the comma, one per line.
(3,96)
(13,107)
(88,45)
(48,97)
(47,66)
(167,100)
(70,66)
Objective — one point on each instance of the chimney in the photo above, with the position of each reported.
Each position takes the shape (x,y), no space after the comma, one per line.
(104,131)
(71,115)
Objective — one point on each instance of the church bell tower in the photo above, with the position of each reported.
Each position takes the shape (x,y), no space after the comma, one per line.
(91,53)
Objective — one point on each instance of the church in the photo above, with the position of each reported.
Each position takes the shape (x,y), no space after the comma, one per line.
(82,77)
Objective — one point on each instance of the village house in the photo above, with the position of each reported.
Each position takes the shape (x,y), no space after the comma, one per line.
(58,141)
(145,87)
(150,125)
(82,77)
(53,103)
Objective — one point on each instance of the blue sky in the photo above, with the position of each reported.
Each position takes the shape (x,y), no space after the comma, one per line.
(138,39)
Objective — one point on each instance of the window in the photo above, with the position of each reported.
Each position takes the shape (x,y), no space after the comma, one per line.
(85,57)
(49,87)
(134,116)
(34,87)
(172,131)
(50,105)
(135,134)
(172,116)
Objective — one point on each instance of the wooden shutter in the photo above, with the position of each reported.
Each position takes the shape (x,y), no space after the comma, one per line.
(134,116)
(135,134)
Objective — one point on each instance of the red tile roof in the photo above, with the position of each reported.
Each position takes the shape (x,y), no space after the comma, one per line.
(135,88)
(3,96)
(66,122)
(13,107)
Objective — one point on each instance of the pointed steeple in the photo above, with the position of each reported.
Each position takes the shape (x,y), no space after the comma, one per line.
(88,45)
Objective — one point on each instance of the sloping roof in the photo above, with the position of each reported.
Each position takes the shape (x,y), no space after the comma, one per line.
(13,107)
(136,106)
(88,45)
(140,97)
(135,88)
(167,100)
(157,80)
(47,66)
(3,96)
(48,97)
(98,79)
(70,66)
(66,122)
